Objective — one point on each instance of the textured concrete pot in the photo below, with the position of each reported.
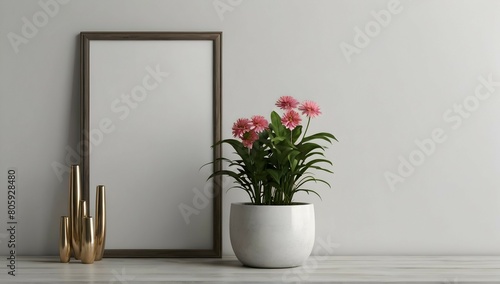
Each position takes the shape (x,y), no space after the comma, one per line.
(272,236)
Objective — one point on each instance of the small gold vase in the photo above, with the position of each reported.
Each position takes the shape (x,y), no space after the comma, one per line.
(82,213)
(75,195)
(100,221)
(87,250)
(64,240)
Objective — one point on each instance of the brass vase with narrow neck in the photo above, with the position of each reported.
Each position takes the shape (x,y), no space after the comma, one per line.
(87,252)
(75,195)
(64,240)
(82,213)
(100,221)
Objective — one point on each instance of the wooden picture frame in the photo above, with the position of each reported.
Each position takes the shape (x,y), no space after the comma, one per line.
(151,110)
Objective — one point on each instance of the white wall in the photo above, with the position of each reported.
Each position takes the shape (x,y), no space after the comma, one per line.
(395,90)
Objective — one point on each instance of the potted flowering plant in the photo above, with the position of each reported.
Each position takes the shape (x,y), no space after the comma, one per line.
(275,161)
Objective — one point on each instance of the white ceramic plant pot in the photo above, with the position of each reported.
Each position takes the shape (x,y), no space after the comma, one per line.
(272,236)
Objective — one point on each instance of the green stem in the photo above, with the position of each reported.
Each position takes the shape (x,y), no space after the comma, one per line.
(307,127)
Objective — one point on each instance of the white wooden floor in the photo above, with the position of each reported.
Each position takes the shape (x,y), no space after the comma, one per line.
(336,269)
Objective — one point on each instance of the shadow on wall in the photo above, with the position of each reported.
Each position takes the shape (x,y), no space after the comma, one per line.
(60,206)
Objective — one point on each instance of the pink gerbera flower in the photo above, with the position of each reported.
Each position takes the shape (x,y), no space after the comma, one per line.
(291,119)
(259,123)
(287,103)
(248,138)
(309,108)
(241,126)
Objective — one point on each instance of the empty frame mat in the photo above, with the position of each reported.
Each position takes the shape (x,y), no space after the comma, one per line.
(151,114)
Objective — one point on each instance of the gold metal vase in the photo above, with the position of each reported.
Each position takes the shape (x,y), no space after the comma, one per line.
(100,221)
(87,252)
(75,195)
(64,239)
(82,213)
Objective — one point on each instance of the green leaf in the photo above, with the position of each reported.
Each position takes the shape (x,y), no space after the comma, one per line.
(275,119)
(296,132)
(278,139)
(322,135)
(274,174)
(310,191)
